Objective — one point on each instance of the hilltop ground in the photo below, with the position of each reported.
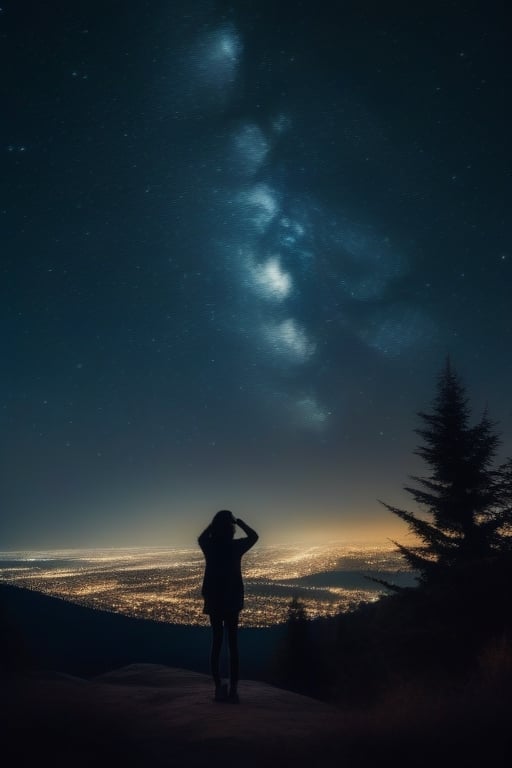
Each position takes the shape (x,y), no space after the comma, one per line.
(160,714)
(155,716)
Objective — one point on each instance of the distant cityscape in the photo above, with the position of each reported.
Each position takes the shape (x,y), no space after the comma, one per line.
(164,584)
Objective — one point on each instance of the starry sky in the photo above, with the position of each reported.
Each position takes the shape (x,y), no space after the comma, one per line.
(238,241)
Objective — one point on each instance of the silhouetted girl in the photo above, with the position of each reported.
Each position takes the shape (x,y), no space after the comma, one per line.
(223,591)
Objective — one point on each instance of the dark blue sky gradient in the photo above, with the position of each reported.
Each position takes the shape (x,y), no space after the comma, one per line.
(238,241)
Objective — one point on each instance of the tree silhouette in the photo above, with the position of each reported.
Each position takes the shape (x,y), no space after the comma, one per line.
(462,496)
(294,657)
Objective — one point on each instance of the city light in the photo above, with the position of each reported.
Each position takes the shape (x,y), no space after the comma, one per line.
(164,584)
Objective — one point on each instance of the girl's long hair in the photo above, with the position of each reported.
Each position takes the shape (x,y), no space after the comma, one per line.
(222,526)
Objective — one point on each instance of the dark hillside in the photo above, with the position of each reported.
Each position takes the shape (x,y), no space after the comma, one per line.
(47,632)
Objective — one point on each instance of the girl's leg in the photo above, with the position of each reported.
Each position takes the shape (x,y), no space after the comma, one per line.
(232,630)
(217,633)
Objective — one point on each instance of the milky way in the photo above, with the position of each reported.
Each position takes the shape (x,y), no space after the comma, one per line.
(278,242)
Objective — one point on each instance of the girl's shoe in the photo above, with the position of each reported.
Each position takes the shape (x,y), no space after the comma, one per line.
(221,692)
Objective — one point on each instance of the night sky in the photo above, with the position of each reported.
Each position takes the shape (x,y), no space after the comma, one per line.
(238,241)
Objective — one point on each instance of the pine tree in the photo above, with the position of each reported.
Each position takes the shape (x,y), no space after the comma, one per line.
(294,657)
(460,496)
